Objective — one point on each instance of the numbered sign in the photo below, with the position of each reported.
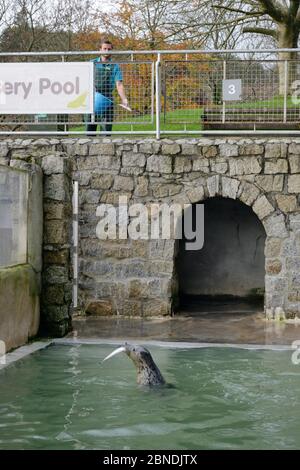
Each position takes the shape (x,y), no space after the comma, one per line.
(232,90)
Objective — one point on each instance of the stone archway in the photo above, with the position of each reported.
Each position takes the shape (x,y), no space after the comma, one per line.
(231,264)
(270,217)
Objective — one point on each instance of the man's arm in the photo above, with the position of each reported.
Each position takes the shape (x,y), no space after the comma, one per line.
(121,91)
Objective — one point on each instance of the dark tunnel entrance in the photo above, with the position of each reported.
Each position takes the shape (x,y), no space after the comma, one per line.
(228,272)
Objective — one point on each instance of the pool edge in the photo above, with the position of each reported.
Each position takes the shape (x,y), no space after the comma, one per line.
(172,344)
(27,350)
(23,351)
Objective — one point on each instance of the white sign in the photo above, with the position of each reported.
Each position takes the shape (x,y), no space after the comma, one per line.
(232,90)
(48,87)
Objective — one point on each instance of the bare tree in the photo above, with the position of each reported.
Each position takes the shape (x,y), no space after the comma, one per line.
(74,16)
(28,27)
(137,20)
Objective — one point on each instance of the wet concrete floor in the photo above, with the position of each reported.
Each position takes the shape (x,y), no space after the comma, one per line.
(207,323)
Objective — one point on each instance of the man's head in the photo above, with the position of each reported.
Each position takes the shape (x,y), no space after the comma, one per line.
(105,46)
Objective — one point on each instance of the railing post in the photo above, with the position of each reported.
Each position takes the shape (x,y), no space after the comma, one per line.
(152,92)
(158,94)
(286,80)
(75,243)
(224,104)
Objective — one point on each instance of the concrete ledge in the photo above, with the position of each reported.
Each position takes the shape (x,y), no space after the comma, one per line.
(19,305)
(174,344)
(23,351)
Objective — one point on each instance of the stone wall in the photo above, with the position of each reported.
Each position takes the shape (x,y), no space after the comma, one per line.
(55,166)
(138,277)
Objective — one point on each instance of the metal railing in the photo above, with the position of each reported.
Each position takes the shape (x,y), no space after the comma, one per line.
(180,92)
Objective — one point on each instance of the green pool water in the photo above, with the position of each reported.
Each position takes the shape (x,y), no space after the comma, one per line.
(221,398)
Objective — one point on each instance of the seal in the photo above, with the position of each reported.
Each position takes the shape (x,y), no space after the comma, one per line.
(147,371)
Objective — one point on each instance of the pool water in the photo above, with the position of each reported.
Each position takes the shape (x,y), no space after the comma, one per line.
(221,398)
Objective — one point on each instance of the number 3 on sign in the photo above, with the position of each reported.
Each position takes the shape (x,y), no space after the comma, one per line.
(232,90)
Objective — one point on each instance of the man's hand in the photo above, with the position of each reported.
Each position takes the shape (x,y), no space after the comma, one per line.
(125,104)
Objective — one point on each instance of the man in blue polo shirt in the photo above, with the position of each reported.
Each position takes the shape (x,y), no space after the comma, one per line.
(108,76)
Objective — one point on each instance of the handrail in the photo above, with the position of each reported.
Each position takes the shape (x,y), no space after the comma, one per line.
(151,52)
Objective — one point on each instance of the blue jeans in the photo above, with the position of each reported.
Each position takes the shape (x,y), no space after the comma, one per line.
(107,117)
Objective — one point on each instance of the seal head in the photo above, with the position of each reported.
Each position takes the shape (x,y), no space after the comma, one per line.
(147,371)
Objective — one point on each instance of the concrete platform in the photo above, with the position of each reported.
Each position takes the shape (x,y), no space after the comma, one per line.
(233,324)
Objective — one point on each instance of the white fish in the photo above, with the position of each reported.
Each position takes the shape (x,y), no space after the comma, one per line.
(116,351)
(126,107)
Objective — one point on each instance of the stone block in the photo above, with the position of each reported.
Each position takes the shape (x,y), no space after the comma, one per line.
(54,164)
(273,247)
(55,313)
(286,203)
(133,159)
(159,164)
(102,149)
(56,275)
(132,308)
(3,149)
(251,149)
(262,207)
(196,194)
(170,148)
(229,150)
(270,183)
(273,266)
(54,295)
(145,147)
(275,226)
(190,149)
(244,166)
(230,187)
(139,288)
(142,184)
(57,187)
(164,190)
(294,148)
(248,193)
(89,196)
(102,181)
(276,166)
(162,249)
(123,183)
(156,308)
(201,164)
(209,151)
(276,150)
(56,232)
(219,167)
(99,307)
(213,185)
(108,162)
(182,165)
(294,184)
(59,257)
(294,162)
